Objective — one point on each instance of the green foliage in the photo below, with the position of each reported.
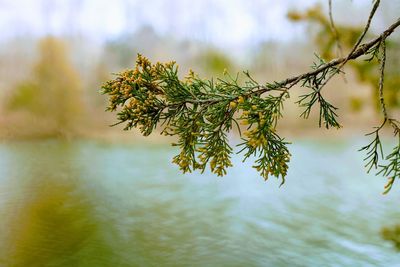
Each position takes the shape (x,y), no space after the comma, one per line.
(392,168)
(200,113)
(389,165)
(374,150)
(327,112)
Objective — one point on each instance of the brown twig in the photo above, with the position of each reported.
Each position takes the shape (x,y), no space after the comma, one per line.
(382,79)
(335,31)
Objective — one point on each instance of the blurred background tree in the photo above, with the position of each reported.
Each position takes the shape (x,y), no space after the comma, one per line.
(53,93)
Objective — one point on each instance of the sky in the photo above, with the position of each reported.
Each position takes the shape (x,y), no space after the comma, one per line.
(226,23)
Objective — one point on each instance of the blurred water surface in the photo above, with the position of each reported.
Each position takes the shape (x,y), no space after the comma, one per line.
(93,204)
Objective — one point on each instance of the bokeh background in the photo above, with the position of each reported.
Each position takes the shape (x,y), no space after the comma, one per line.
(76,192)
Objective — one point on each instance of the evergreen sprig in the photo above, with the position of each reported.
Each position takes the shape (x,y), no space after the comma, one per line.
(200,113)
(327,111)
(373,150)
(392,168)
(261,139)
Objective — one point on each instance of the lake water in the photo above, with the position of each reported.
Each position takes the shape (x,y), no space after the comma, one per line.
(84,203)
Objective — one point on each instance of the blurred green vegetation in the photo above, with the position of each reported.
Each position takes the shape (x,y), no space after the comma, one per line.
(366,71)
(392,234)
(54,223)
(54,91)
(214,62)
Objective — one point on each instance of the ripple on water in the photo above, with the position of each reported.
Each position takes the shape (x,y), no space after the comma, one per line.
(89,204)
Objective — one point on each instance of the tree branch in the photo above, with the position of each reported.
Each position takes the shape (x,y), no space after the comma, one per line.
(359,40)
(382,79)
(360,51)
